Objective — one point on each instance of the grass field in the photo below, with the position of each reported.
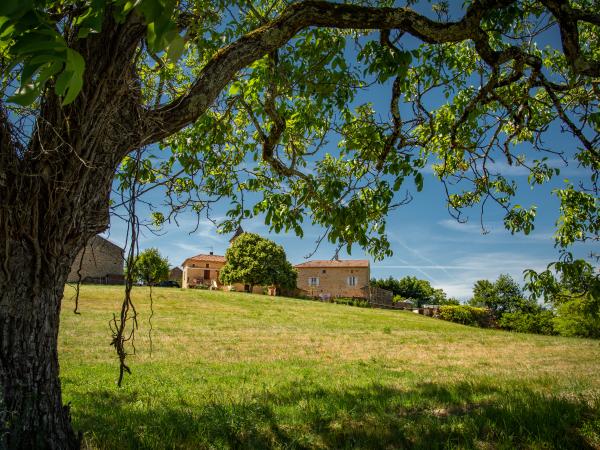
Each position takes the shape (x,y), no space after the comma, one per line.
(244,371)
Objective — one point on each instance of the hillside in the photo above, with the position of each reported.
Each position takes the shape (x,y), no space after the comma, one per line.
(234,370)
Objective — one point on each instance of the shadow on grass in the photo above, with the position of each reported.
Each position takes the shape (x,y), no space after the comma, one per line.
(429,416)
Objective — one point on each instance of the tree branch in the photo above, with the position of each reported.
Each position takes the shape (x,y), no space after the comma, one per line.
(168,119)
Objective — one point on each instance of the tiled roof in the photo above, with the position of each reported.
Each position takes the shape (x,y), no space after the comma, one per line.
(334,263)
(98,241)
(205,258)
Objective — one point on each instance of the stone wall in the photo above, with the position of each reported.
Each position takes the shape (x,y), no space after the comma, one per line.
(195,275)
(333,281)
(101,261)
(176,274)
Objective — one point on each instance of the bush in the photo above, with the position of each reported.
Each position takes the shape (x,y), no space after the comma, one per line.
(576,317)
(540,322)
(351,302)
(467,315)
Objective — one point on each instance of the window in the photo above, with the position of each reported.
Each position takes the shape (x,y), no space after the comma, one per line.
(324,271)
(313,281)
(207,266)
(351,281)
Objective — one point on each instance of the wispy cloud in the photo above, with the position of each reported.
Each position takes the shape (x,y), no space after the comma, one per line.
(396,239)
(469,227)
(457,276)
(492,231)
(488,266)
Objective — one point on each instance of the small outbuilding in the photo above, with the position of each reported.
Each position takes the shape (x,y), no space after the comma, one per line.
(176,274)
(100,262)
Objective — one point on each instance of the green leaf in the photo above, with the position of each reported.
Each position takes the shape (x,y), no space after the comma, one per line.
(11,8)
(419,181)
(176,48)
(62,82)
(25,95)
(73,90)
(70,82)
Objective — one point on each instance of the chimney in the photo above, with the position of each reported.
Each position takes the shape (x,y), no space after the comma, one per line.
(211,253)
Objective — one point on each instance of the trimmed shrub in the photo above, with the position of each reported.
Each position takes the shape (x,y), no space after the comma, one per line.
(541,322)
(467,315)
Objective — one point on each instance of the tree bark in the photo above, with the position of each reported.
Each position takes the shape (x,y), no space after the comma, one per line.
(32,415)
(54,196)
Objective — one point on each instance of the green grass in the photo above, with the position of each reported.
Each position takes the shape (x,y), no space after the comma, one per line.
(244,371)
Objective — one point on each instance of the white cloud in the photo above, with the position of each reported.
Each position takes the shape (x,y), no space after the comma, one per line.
(458,275)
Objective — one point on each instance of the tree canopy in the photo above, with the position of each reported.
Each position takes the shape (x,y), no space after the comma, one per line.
(502,296)
(213,79)
(256,261)
(150,267)
(412,289)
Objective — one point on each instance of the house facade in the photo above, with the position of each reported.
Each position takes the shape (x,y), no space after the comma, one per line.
(335,278)
(202,270)
(100,262)
(318,278)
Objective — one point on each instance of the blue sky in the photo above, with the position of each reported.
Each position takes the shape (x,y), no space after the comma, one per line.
(427,242)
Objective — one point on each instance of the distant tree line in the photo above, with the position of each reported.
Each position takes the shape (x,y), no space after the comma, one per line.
(415,291)
(569,311)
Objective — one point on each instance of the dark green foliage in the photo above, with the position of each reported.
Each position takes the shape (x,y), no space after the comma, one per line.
(254,260)
(351,301)
(449,301)
(465,314)
(411,289)
(150,267)
(578,317)
(564,278)
(540,322)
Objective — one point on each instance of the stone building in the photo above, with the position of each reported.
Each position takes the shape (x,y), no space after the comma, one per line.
(100,262)
(176,274)
(335,278)
(202,270)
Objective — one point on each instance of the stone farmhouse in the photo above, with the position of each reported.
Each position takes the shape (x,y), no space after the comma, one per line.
(334,278)
(100,262)
(324,279)
(203,270)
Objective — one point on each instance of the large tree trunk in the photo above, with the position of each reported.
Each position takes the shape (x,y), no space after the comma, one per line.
(31,412)
(44,222)
(54,196)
